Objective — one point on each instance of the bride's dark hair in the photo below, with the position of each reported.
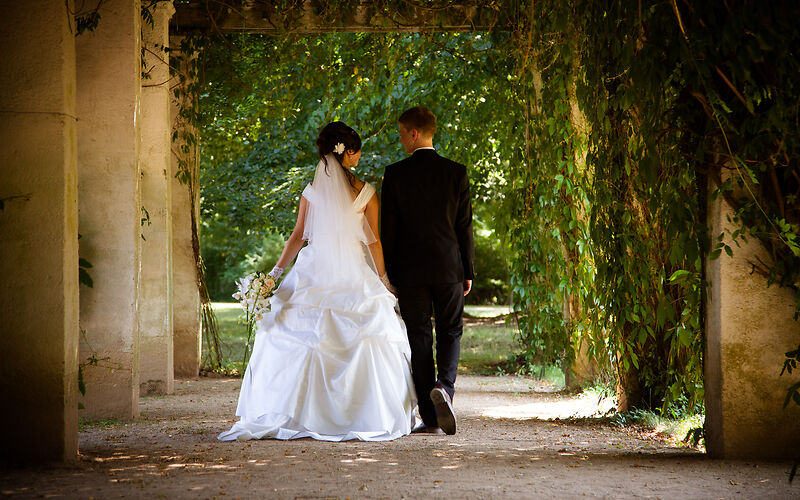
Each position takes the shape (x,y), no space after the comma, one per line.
(337,133)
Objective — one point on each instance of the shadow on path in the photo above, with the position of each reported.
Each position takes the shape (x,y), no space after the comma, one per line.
(500,451)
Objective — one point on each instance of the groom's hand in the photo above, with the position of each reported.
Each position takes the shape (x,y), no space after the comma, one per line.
(467,287)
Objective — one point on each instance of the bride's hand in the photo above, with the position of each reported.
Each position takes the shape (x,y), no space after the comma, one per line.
(385,280)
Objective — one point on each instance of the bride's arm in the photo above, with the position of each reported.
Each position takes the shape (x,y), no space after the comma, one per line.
(372,212)
(295,241)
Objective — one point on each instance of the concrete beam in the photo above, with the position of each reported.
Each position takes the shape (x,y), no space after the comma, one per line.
(109,104)
(38,233)
(248,16)
(156,371)
(749,327)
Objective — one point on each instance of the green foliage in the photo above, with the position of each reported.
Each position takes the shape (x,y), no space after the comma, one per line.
(647,217)
(547,201)
(612,249)
(675,98)
(491,265)
(746,78)
(87,424)
(84,278)
(215,247)
(92,360)
(688,429)
(790,363)
(264,99)
(595,134)
(696,436)
(144,221)
(86,22)
(485,348)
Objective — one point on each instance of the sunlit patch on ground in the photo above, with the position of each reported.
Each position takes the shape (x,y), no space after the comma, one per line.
(583,405)
(514,440)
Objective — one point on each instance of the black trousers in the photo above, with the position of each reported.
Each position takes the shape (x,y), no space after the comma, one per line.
(446,302)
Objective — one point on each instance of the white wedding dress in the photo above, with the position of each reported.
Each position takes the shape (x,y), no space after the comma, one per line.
(331,359)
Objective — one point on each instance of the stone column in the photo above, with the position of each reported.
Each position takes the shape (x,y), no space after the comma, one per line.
(155,311)
(749,327)
(186,298)
(108,101)
(39,228)
(583,370)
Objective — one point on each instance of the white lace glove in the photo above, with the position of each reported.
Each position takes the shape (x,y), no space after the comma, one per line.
(385,280)
(276,272)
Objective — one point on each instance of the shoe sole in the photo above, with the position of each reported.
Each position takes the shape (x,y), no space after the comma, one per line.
(437,432)
(444,412)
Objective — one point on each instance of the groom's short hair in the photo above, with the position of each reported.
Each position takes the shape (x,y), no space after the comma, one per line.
(420,118)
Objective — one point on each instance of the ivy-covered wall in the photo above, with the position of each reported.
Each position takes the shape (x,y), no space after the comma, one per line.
(602,131)
(673,94)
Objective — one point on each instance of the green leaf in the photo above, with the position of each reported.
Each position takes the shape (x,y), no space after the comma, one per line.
(793,393)
(684,336)
(84,278)
(81,383)
(679,276)
(635,360)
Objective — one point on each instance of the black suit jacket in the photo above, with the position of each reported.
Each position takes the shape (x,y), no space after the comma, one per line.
(426,221)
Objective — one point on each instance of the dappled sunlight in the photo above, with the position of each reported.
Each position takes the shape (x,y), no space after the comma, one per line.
(508,438)
(584,405)
(491,311)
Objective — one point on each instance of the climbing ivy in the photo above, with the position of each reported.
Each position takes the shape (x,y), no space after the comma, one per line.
(676,97)
(265,100)
(612,124)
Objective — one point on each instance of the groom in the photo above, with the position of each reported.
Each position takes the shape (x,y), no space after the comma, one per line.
(426,233)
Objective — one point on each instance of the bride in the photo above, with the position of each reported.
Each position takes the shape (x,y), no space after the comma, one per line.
(331,359)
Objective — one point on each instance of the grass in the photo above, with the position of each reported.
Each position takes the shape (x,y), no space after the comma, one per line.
(676,429)
(485,349)
(488,346)
(233,335)
(111,423)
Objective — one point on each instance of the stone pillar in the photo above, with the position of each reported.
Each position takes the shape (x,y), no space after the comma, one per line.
(749,327)
(186,298)
(39,228)
(583,371)
(108,101)
(155,302)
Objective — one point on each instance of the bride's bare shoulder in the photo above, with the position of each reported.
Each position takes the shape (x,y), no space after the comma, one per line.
(358,185)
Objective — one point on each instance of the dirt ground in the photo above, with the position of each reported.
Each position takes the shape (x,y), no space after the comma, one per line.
(509,445)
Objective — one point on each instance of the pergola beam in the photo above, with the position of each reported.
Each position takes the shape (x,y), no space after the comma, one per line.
(249,16)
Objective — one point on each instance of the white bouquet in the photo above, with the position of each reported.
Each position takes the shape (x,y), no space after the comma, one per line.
(254,291)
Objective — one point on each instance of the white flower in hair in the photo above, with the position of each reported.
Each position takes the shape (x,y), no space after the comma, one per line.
(339,148)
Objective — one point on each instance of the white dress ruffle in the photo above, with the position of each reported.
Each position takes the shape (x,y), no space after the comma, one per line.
(328,363)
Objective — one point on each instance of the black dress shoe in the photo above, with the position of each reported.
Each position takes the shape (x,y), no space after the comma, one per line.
(445,416)
(426,429)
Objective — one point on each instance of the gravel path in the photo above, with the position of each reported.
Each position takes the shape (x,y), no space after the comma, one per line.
(509,445)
